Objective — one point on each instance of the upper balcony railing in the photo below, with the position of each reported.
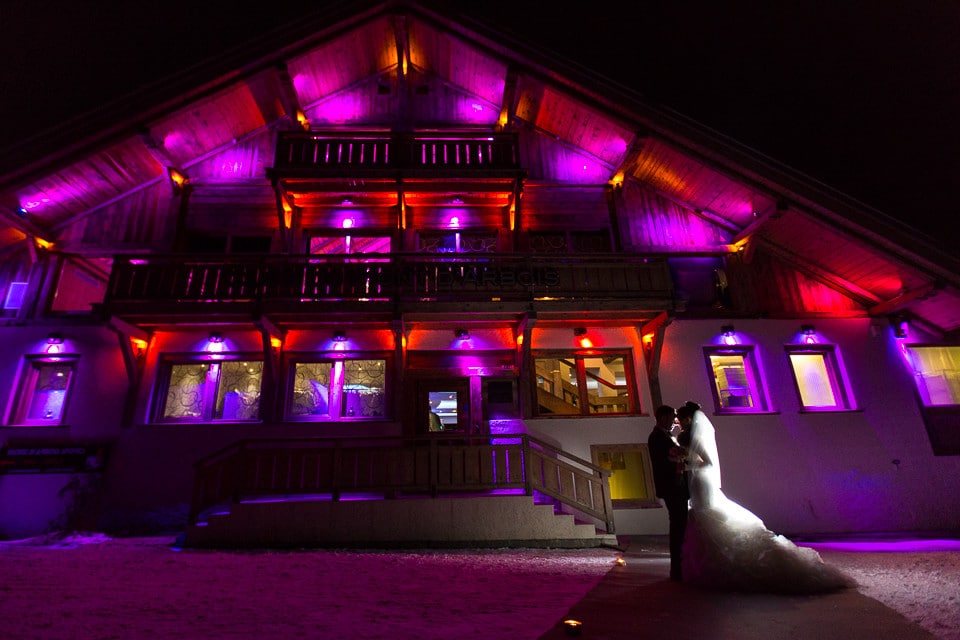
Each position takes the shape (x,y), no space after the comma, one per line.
(301,153)
(383,281)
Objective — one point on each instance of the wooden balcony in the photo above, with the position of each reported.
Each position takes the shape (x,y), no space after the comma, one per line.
(181,288)
(301,154)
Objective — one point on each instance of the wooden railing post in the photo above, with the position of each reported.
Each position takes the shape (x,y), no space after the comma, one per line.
(527,467)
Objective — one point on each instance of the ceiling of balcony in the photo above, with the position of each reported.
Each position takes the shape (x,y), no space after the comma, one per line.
(402,66)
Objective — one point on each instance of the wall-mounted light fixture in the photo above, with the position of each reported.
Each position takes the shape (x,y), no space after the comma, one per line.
(809,333)
(901,327)
(463,334)
(582,338)
(216,338)
(729,334)
(54,338)
(339,336)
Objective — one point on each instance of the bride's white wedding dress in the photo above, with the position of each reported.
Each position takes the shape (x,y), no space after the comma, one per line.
(728,547)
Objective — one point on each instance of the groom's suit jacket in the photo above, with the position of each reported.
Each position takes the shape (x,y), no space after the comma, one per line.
(669,483)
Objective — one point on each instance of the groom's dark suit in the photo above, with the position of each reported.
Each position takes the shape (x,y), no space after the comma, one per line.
(671,487)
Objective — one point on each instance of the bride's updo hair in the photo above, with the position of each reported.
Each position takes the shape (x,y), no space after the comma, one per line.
(687,410)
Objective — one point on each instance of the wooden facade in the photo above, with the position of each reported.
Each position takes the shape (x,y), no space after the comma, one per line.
(397,190)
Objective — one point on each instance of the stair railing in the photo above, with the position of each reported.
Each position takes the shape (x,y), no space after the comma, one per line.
(385,467)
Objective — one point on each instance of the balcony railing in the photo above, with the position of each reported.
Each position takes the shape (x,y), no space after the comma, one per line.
(302,153)
(382,280)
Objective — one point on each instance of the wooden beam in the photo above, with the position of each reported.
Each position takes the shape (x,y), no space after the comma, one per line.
(289,99)
(816,272)
(902,301)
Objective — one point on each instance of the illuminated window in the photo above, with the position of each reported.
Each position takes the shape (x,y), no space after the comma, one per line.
(206,391)
(735,380)
(458,241)
(818,378)
(340,389)
(348,243)
(571,384)
(937,373)
(43,391)
(631,479)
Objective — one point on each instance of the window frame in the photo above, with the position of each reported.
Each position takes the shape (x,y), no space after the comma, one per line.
(579,356)
(753,374)
(291,361)
(162,387)
(26,389)
(645,474)
(836,377)
(921,388)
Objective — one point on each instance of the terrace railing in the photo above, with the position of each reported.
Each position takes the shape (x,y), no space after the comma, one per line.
(301,153)
(389,280)
(383,468)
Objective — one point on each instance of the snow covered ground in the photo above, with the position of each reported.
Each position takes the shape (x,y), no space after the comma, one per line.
(95,587)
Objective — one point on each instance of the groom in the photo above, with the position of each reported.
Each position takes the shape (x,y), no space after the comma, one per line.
(669,480)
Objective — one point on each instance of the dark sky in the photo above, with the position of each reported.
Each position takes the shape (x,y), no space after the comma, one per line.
(861,95)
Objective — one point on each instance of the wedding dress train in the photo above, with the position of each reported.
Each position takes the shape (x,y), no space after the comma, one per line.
(728,547)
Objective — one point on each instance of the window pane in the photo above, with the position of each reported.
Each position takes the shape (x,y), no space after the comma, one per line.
(185,395)
(238,394)
(49,391)
(557,390)
(607,390)
(813,380)
(730,379)
(364,382)
(937,372)
(328,245)
(311,389)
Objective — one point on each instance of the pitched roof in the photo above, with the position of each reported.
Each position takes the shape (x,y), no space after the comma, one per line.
(339,68)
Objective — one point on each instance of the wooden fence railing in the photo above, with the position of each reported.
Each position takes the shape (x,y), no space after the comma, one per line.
(332,468)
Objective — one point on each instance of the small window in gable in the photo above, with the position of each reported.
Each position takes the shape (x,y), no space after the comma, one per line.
(43,391)
(735,378)
(818,378)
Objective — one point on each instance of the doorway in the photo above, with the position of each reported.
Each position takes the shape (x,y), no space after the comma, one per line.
(443,405)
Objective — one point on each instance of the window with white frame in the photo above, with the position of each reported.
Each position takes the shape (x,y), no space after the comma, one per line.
(819,378)
(936,370)
(735,379)
(43,391)
(573,384)
(195,390)
(337,389)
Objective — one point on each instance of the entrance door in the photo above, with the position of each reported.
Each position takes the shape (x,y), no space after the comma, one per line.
(443,406)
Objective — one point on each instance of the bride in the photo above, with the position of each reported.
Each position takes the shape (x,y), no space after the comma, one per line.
(728,547)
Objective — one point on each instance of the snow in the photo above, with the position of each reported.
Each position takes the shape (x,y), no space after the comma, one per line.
(95,586)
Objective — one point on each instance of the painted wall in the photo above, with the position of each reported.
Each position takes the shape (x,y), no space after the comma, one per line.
(866,470)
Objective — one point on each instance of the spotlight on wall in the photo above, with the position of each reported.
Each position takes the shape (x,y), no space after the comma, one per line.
(901,328)
(809,333)
(339,336)
(582,338)
(463,334)
(54,338)
(216,338)
(729,334)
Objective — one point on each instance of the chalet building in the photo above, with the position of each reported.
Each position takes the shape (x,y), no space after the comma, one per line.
(398,277)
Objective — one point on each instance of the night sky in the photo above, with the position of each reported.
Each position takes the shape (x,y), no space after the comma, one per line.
(861,95)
